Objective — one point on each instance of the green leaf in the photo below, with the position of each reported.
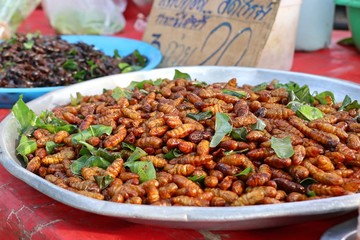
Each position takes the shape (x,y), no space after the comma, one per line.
(53,124)
(140,85)
(174,153)
(261,86)
(239,134)
(244,172)
(200,116)
(92,131)
(24,115)
(282,146)
(123,65)
(138,153)
(141,60)
(182,75)
(29,44)
(78,164)
(96,161)
(101,152)
(222,127)
(259,125)
(88,161)
(239,94)
(70,65)
(145,170)
(116,54)
(294,105)
(231,152)
(325,97)
(26,146)
(302,95)
(290,86)
(199,84)
(307,182)
(310,193)
(309,113)
(197,179)
(93,66)
(76,100)
(128,146)
(118,93)
(50,146)
(103,181)
(80,75)
(348,104)
(72,52)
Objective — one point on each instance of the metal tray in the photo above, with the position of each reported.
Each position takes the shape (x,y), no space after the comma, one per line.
(225,218)
(343,231)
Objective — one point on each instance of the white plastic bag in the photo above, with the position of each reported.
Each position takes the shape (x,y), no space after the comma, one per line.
(98,17)
(13,13)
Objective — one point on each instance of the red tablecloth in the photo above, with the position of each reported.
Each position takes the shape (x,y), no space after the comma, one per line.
(26,213)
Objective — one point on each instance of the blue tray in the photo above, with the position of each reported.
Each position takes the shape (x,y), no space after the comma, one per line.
(107,44)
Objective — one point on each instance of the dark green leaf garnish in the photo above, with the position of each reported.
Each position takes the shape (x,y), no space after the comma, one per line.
(118,93)
(348,104)
(92,131)
(259,87)
(24,115)
(239,134)
(222,128)
(200,116)
(182,75)
(326,97)
(174,153)
(231,152)
(128,146)
(141,60)
(259,125)
(145,169)
(29,44)
(140,85)
(302,95)
(309,113)
(307,182)
(26,146)
(78,164)
(80,75)
(50,146)
(138,153)
(117,54)
(239,94)
(197,179)
(76,100)
(70,65)
(103,181)
(244,172)
(282,147)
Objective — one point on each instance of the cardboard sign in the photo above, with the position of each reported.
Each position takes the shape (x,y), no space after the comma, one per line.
(210,32)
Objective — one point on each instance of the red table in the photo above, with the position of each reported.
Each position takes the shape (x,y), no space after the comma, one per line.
(26,213)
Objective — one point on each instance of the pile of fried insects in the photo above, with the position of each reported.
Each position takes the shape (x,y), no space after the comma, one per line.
(183,142)
(33,60)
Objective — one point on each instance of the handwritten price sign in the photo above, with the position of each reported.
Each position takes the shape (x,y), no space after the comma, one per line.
(210,32)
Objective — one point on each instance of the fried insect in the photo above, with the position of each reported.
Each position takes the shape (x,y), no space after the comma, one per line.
(66,153)
(114,140)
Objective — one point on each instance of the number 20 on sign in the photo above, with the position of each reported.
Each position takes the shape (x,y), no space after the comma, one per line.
(210,32)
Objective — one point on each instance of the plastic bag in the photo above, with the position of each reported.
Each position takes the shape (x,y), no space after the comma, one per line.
(86,16)
(13,13)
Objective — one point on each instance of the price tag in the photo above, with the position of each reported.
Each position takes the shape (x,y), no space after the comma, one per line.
(210,32)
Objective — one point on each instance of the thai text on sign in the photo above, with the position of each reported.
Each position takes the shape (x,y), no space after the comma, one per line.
(210,32)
